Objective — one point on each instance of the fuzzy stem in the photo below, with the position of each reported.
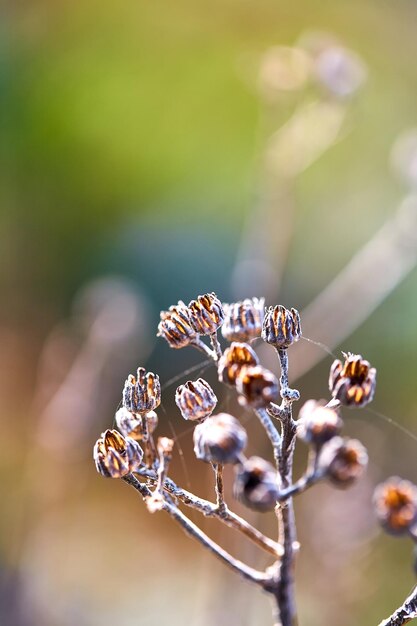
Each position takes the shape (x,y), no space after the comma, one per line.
(217,349)
(272,432)
(210,509)
(200,345)
(219,487)
(249,573)
(405,613)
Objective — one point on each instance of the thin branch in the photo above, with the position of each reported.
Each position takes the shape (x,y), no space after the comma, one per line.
(405,613)
(200,345)
(249,573)
(271,431)
(219,487)
(217,349)
(311,476)
(228,517)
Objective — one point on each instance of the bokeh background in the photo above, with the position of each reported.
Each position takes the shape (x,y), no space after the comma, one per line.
(152,151)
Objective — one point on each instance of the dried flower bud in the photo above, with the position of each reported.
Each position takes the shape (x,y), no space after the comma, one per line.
(219,439)
(143,393)
(257,386)
(281,326)
(116,456)
(352,382)
(233,359)
(243,320)
(343,460)
(206,314)
(395,503)
(317,423)
(195,399)
(175,326)
(256,484)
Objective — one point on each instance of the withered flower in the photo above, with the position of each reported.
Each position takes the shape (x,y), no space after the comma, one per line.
(352,382)
(206,314)
(116,456)
(136,425)
(343,460)
(317,423)
(256,484)
(143,393)
(395,503)
(233,359)
(175,326)
(243,320)
(257,386)
(219,439)
(281,326)
(195,399)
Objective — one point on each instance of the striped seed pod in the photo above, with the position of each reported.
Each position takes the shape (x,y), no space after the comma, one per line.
(352,382)
(343,460)
(206,314)
(281,326)
(143,392)
(233,359)
(257,386)
(243,320)
(116,456)
(256,484)
(219,439)
(195,399)
(175,326)
(317,423)
(395,503)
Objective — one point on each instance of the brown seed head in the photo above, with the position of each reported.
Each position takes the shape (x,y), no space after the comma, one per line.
(175,326)
(219,439)
(343,460)
(395,503)
(195,399)
(281,326)
(206,314)
(317,423)
(233,359)
(352,382)
(130,424)
(143,392)
(116,456)
(243,320)
(257,386)
(256,484)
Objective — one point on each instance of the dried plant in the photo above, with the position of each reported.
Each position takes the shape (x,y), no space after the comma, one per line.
(220,439)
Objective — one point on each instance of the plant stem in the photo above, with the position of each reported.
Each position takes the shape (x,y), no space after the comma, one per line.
(284,593)
(219,487)
(404,614)
(217,349)
(200,345)
(210,509)
(272,432)
(249,573)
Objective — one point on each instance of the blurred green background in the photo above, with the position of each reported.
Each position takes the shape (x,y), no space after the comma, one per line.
(142,162)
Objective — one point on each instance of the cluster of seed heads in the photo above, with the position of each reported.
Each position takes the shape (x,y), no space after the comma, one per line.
(220,439)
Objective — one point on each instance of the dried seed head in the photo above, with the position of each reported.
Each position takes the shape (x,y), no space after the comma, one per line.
(257,386)
(116,456)
(395,503)
(317,423)
(352,382)
(343,460)
(219,439)
(195,399)
(206,314)
(256,484)
(243,320)
(175,326)
(233,359)
(281,326)
(143,393)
